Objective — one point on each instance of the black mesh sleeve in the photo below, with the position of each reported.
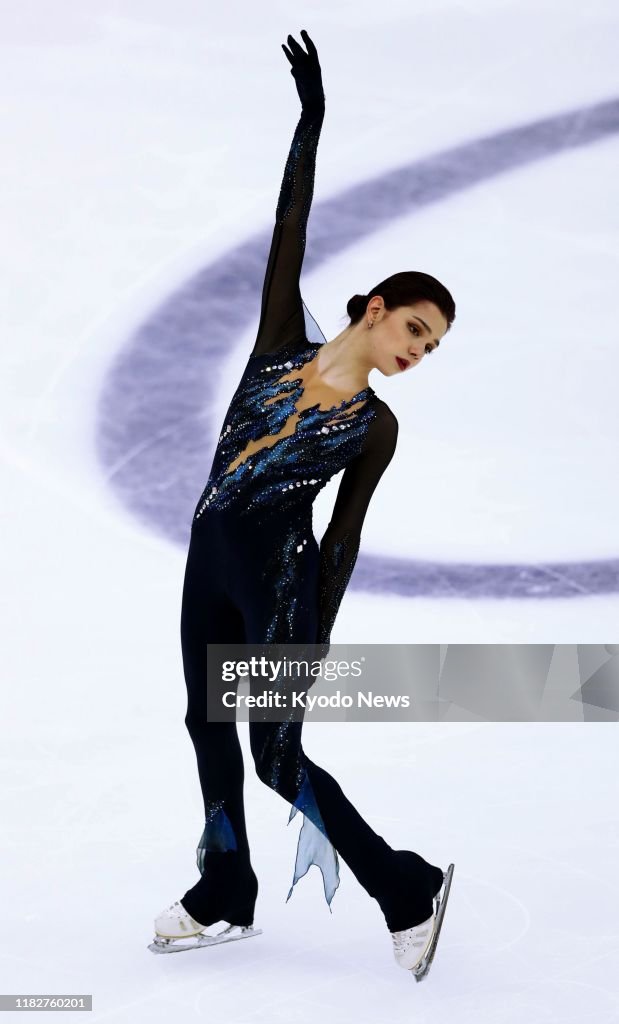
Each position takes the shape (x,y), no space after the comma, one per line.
(340,544)
(282,321)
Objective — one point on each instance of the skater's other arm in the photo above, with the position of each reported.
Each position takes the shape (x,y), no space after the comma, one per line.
(340,544)
(281,316)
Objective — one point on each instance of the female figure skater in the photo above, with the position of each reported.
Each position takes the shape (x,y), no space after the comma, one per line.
(255,574)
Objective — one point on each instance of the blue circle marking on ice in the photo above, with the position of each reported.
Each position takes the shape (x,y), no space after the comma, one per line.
(155,415)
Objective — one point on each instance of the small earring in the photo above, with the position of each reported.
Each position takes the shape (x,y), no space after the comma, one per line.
(370,323)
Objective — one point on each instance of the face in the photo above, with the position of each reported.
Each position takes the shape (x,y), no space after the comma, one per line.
(400,339)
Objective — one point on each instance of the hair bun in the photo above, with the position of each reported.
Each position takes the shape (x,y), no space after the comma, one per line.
(405,289)
(356,306)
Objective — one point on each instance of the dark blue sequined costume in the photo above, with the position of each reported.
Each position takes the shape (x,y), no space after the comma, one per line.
(255,573)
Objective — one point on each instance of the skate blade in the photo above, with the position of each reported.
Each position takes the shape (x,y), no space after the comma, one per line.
(422,969)
(229,934)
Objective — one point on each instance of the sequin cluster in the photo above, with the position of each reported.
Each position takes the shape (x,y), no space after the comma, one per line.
(289,473)
(279,763)
(283,570)
(299,170)
(337,561)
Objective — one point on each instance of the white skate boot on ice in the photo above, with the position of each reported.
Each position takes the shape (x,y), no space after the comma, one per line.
(176,931)
(414,948)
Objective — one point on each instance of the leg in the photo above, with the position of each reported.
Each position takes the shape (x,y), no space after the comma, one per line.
(208,615)
(402,882)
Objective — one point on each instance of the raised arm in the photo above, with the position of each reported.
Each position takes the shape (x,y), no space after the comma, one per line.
(281,317)
(340,544)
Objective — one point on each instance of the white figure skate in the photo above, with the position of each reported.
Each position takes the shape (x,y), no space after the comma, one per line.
(414,948)
(177,931)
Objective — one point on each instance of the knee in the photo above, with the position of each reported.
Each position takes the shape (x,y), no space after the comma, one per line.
(194,721)
(278,757)
(262,752)
(265,769)
(199,727)
(279,775)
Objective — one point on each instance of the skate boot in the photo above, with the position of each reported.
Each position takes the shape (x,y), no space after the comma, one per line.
(227,892)
(176,931)
(414,948)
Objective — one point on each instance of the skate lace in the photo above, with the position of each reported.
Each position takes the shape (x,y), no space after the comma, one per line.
(178,907)
(411,937)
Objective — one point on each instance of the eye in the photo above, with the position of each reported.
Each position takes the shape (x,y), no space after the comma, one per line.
(429,348)
(416,329)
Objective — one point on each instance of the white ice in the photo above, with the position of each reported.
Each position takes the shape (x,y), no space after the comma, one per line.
(139,141)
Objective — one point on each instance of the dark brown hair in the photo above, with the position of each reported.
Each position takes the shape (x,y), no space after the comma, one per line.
(405,289)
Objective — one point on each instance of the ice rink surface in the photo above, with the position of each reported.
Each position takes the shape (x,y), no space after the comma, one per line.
(142,147)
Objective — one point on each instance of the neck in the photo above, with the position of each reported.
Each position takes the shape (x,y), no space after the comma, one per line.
(345,362)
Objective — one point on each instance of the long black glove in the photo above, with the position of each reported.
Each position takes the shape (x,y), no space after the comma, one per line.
(306,72)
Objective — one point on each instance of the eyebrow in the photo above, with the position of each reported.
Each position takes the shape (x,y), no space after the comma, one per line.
(436,341)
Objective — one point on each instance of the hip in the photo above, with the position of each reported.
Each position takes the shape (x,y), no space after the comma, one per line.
(261,544)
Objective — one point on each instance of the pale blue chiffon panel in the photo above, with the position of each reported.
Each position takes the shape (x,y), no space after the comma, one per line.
(218,835)
(313,846)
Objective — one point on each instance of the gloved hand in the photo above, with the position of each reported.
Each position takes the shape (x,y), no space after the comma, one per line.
(306,72)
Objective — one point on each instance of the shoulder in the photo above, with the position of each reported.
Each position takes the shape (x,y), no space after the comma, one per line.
(298,345)
(385,421)
(382,436)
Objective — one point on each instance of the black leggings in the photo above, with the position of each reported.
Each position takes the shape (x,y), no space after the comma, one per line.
(219,606)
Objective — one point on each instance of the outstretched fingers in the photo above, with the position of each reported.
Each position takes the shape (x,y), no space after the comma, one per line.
(305,69)
(311,49)
(296,50)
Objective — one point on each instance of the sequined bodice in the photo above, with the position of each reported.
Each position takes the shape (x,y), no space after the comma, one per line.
(272,453)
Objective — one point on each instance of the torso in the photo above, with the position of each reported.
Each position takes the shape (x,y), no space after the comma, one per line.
(285,434)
